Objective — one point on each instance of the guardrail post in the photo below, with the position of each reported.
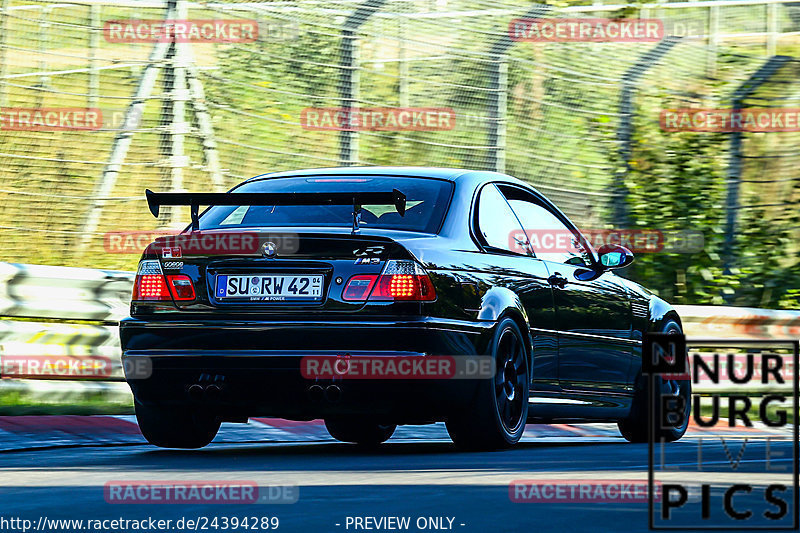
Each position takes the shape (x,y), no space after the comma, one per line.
(713,41)
(735,161)
(94,38)
(772,29)
(498,114)
(497,107)
(349,77)
(630,83)
(44,36)
(3,44)
(402,67)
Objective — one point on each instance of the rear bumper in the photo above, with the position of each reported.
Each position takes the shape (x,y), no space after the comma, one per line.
(256,366)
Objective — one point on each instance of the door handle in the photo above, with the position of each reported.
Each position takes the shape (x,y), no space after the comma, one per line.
(557,280)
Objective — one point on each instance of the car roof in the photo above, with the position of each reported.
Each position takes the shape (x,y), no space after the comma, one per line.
(466,179)
(450,174)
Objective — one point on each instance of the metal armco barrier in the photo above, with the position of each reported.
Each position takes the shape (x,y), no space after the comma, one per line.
(710,321)
(41,305)
(44,312)
(64,293)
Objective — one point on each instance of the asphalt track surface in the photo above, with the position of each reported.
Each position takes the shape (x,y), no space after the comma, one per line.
(409,478)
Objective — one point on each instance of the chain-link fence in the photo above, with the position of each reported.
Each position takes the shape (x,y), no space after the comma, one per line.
(136,110)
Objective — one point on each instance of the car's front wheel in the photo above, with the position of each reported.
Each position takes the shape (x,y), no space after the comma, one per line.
(176,427)
(636,428)
(363,432)
(496,417)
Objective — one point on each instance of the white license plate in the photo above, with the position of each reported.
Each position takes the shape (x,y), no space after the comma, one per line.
(269,287)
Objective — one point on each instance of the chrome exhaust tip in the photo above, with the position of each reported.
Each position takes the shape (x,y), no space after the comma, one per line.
(213,392)
(333,393)
(316,393)
(195,392)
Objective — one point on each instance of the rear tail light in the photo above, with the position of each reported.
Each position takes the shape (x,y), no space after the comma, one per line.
(150,282)
(405,281)
(359,287)
(400,281)
(181,286)
(152,285)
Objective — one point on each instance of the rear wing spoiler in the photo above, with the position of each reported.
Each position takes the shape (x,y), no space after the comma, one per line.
(195,199)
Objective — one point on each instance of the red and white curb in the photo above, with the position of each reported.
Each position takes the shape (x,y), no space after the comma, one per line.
(24,432)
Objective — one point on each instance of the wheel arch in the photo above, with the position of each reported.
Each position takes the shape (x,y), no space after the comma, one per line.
(499,303)
(661,312)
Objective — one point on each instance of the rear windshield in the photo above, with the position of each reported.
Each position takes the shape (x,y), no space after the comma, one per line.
(426,204)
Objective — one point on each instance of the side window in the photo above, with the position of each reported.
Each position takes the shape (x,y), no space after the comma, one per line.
(550,239)
(496,221)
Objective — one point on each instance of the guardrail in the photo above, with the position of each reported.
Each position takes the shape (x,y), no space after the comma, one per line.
(739,322)
(72,314)
(63,312)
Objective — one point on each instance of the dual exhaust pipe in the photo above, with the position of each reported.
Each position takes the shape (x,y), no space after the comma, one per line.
(208,392)
(331,393)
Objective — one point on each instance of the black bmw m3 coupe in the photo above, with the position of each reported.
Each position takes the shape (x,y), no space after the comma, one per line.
(240,314)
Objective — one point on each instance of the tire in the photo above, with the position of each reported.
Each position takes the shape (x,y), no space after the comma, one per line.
(176,427)
(361,432)
(635,428)
(495,418)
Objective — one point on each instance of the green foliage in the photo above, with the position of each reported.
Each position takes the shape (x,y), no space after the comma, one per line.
(677,185)
(677,181)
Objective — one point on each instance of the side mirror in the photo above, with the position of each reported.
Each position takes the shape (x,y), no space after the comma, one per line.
(614,256)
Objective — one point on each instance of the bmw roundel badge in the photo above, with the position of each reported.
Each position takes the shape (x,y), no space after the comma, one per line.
(269,249)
